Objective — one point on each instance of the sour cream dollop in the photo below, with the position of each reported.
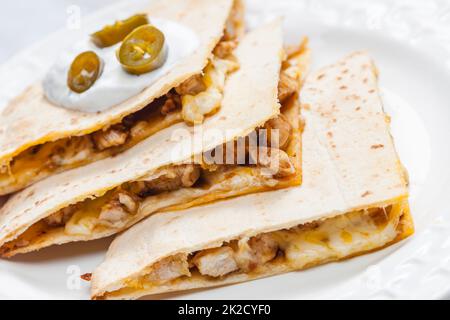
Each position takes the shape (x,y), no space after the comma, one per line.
(115,85)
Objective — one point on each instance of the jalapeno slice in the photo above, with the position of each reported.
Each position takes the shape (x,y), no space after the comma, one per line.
(84,71)
(113,34)
(143,50)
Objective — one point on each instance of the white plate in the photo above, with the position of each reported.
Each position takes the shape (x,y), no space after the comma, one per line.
(410,41)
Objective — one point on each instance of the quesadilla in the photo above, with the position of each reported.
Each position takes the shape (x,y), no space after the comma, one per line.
(353,200)
(172,169)
(39,138)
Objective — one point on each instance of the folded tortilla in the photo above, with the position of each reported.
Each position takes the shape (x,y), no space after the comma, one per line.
(172,170)
(353,200)
(39,139)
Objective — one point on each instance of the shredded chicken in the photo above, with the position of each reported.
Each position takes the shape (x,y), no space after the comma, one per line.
(128,202)
(281,123)
(170,268)
(61,217)
(113,137)
(215,262)
(192,86)
(287,87)
(276,161)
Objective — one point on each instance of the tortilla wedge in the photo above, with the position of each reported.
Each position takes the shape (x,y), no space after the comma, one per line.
(353,200)
(39,139)
(105,197)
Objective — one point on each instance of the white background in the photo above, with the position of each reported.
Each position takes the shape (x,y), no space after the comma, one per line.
(24,22)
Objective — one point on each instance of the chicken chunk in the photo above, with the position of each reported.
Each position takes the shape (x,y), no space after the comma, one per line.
(113,215)
(275,161)
(265,247)
(173,102)
(215,262)
(72,151)
(169,269)
(284,130)
(193,86)
(256,252)
(61,217)
(174,178)
(113,137)
(287,87)
(189,175)
(116,213)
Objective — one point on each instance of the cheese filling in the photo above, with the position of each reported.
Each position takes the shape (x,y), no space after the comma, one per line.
(291,249)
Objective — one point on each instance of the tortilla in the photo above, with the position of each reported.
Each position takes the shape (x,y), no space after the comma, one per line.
(353,200)
(34,130)
(22,220)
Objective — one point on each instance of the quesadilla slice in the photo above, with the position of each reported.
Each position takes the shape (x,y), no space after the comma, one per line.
(353,200)
(177,167)
(40,138)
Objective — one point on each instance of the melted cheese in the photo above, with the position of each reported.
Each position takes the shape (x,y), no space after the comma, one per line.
(311,244)
(339,237)
(195,108)
(86,218)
